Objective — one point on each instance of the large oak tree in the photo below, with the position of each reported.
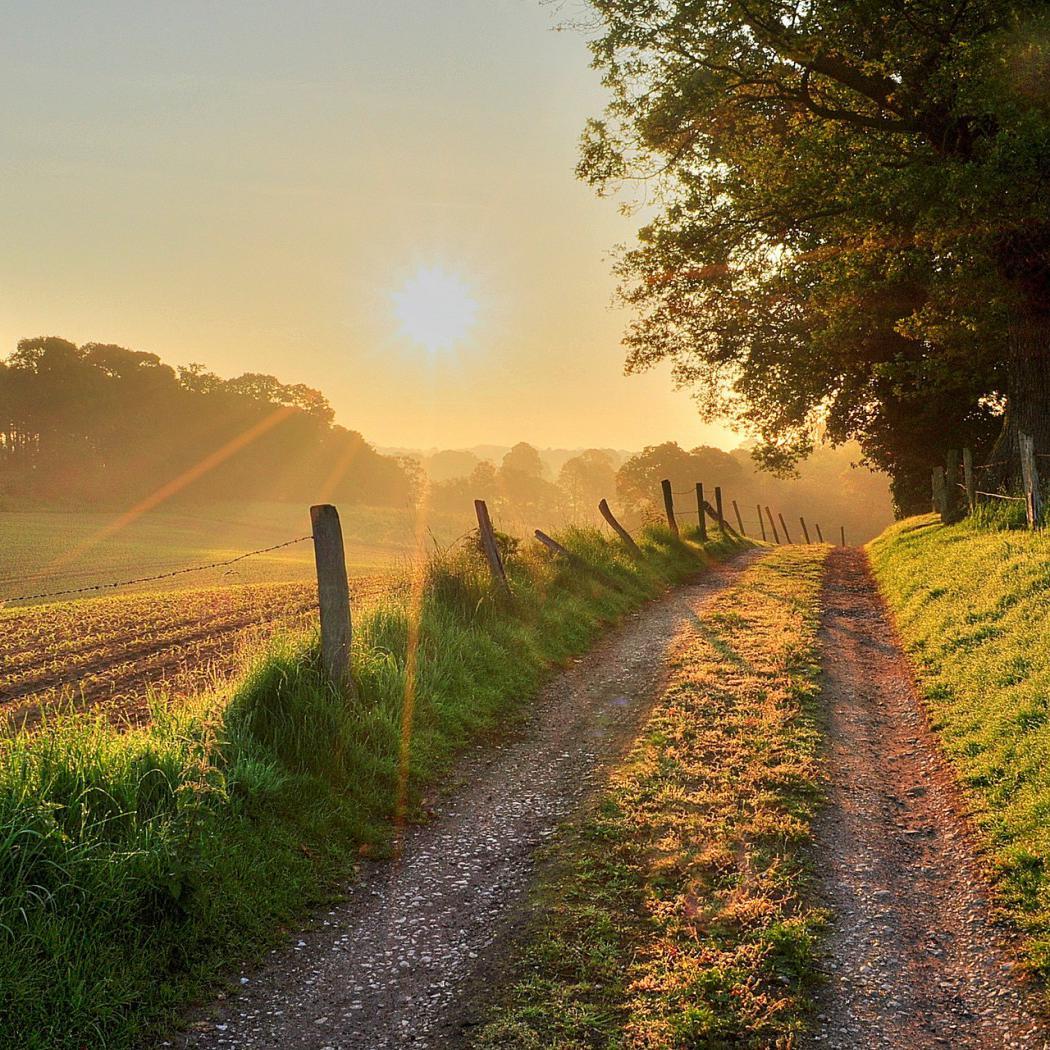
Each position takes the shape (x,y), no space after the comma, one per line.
(852,227)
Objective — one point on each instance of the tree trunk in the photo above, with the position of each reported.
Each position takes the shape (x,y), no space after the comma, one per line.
(1027,400)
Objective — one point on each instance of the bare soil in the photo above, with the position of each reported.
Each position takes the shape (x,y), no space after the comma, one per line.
(88,660)
(413,952)
(916,956)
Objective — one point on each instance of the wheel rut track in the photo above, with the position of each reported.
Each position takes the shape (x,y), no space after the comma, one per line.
(915,957)
(409,957)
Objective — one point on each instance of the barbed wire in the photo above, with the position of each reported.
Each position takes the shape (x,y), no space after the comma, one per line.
(158,576)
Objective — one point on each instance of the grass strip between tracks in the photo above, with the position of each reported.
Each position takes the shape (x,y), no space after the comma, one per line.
(135,868)
(673,913)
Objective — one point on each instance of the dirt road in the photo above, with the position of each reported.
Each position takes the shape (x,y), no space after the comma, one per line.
(405,959)
(914,959)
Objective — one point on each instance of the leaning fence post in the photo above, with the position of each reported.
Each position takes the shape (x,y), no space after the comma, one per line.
(805,531)
(739,520)
(820,535)
(971,487)
(720,513)
(333,594)
(842,534)
(555,547)
(728,531)
(669,506)
(489,545)
(783,525)
(700,511)
(761,523)
(773,525)
(620,531)
(1033,498)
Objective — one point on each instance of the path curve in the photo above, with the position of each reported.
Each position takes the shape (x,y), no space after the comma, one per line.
(915,958)
(405,960)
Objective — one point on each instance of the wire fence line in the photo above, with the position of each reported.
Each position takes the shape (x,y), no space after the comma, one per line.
(157,576)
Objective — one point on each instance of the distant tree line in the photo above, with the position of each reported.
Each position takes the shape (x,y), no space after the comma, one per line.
(99,423)
(827,487)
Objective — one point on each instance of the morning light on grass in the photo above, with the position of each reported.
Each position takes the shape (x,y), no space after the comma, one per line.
(524,525)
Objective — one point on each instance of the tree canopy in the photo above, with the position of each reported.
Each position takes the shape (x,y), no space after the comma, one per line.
(99,423)
(852,235)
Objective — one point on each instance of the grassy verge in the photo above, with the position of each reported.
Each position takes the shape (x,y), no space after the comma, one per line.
(135,867)
(972,602)
(672,914)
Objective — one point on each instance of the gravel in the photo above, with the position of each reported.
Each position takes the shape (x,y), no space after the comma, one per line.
(408,958)
(916,957)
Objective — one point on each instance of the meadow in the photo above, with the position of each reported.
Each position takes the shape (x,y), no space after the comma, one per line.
(49,550)
(139,865)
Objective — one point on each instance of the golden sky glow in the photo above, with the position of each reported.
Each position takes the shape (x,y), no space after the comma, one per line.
(253,184)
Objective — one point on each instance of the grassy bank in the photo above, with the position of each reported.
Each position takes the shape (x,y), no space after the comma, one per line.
(135,867)
(672,914)
(972,602)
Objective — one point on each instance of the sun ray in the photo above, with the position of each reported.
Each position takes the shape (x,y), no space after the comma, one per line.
(415,614)
(170,488)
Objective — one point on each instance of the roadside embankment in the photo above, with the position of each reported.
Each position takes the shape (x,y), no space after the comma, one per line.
(972,604)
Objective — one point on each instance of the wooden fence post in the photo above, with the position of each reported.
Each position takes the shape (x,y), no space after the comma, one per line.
(739,520)
(761,523)
(951,488)
(842,534)
(820,535)
(773,525)
(971,485)
(700,511)
(783,525)
(729,531)
(940,500)
(620,531)
(669,506)
(719,512)
(1033,498)
(805,531)
(555,547)
(333,595)
(489,545)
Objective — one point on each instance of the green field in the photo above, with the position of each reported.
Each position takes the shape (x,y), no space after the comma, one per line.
(45,551)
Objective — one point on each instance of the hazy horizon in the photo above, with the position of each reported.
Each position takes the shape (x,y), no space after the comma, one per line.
(249,186)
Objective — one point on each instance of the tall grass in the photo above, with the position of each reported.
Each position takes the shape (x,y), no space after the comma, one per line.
(972,602)
(134,867)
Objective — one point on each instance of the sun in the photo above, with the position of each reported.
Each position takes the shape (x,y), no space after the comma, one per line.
(435,309)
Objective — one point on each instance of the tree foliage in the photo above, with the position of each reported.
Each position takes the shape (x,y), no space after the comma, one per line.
(99,423)
(852,236)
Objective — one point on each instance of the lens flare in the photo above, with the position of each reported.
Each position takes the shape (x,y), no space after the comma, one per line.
(435,309)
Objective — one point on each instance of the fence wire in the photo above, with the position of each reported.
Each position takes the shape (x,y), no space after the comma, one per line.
(152,579)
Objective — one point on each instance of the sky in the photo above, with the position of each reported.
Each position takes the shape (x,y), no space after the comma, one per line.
(259,186)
